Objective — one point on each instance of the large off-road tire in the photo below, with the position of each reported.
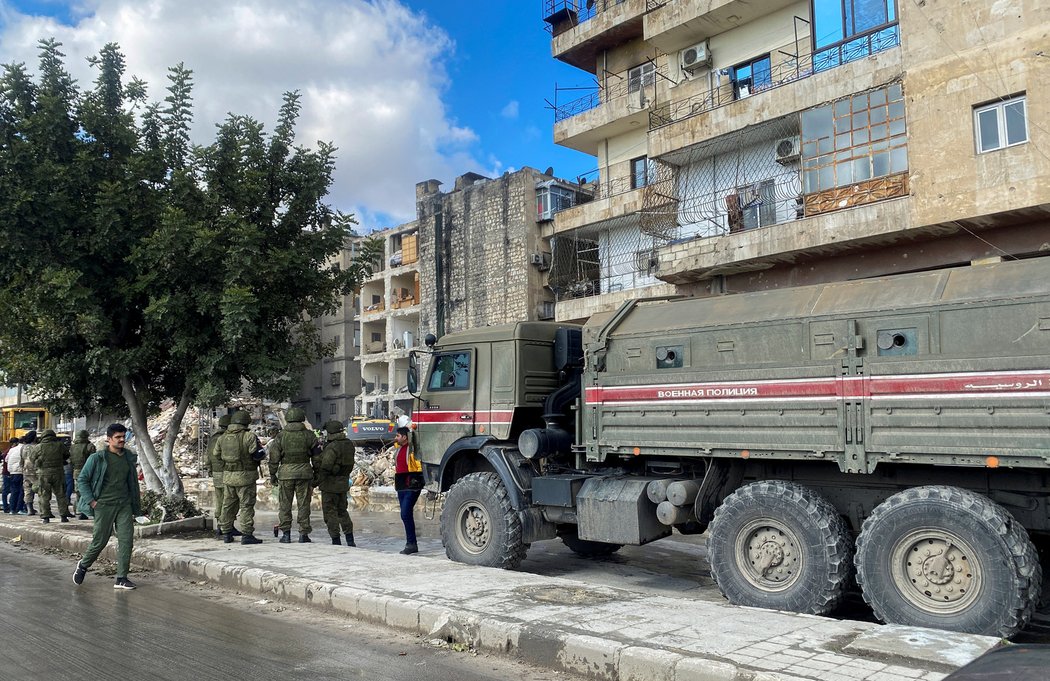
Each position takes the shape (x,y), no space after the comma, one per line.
(587,548)
(775,544)
(478,524)
(948,558)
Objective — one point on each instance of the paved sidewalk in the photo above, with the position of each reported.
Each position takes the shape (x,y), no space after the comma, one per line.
(601,632)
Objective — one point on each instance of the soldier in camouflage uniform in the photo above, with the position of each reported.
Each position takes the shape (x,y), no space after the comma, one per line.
(333,471)
(291,469)
(79,451)
(51,456)
(215,466)
(29,474)
(240,453)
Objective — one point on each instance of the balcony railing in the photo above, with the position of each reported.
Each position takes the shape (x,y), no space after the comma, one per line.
(643,87)
(805,66)
(561,15)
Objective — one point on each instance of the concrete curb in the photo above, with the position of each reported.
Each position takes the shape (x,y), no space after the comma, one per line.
(591,656)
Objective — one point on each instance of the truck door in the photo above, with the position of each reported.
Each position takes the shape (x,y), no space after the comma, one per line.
(446,412)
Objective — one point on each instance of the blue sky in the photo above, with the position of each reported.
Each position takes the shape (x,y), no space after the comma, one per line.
(408,90)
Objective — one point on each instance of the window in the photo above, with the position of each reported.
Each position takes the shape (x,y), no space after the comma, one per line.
(847,30)
(642,172)
(551,199)
(641,76)
(357,338)
(1000,125)
(451,371)
(854,139)
(337,378)
(331,409)
(751,77)
(336,341)
(376,336)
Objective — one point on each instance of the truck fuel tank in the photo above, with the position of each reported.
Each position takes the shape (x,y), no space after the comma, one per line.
(617,510)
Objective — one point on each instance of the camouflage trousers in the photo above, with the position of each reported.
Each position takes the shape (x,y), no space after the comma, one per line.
(219,492)
(242,497)
(336,517)
(53,482)
(302,490)
(30,485)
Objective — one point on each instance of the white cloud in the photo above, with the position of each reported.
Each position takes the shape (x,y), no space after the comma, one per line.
(511,110)
(372,76)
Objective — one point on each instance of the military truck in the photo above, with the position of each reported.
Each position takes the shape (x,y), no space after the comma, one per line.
(895,430)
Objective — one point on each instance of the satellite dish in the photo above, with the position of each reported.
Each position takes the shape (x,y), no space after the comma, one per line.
(549,171)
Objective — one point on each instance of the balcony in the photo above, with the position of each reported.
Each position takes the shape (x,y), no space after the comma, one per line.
(581,29)
(783,74)
(676,25)
(622,105)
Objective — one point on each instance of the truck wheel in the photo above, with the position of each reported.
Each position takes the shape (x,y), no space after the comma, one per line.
(948,558)
(587,548)
(779,545)
(478,524)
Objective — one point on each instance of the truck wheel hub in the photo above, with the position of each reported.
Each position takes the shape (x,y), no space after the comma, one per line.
(768,554)
(935,571)
(474,527)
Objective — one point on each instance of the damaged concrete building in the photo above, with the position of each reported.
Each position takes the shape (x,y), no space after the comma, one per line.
(744,146)
(389,324)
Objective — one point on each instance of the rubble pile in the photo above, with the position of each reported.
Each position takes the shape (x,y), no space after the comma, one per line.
(373,468)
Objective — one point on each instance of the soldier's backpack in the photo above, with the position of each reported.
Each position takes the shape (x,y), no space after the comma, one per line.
(229,448)
(295,446)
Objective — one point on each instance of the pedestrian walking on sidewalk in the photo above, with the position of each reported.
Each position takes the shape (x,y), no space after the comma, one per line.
(29,475)
(51,457)
(5,491)
(333,475)
(292,471)
(215,466)
(240,453)
(408,482)
(13,493)
(79,452)
(109,493)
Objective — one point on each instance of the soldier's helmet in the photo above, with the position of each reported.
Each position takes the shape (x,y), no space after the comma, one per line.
(241,418)
(295,414)
(82,436)
(224,420)
(48,433)
(334,427)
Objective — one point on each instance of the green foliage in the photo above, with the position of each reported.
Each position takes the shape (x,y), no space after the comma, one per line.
(132,258)
(167,507)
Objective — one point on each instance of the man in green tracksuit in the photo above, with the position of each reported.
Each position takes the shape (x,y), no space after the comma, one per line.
(51,456)
(333,473)
(78,454)
(291,468)
(240,453)
(215,465)
(109,492)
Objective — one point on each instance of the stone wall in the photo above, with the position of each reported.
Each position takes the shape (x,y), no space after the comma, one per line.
(474,248)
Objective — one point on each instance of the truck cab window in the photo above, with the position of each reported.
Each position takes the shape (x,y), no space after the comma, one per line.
(451,372)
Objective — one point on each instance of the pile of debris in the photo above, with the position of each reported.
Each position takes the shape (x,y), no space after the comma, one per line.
(373,468)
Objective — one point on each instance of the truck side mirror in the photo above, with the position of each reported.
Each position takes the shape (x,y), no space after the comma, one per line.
(413,375)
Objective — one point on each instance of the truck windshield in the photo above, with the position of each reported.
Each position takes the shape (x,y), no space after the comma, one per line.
(451,371)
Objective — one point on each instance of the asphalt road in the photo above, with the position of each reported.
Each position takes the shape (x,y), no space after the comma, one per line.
(177,630)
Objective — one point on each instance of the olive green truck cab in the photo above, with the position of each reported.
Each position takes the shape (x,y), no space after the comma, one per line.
(895,429)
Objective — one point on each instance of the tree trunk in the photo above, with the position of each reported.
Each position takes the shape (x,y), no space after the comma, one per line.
(169,443)
(161,479)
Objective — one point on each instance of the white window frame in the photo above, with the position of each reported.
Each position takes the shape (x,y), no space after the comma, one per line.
(1000,119)
(641,76)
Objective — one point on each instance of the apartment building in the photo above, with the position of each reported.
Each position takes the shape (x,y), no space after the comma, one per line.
(743,145)
(389,324)
(330,385)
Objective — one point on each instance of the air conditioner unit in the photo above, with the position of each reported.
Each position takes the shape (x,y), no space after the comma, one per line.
(788,150)
(540,260)
(692,58)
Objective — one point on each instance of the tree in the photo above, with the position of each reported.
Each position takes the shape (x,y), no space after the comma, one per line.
(136,267)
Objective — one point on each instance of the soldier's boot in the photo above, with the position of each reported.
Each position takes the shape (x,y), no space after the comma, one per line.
(46,520)
(335,540)
(250,539)
(32,511)
(286,537)
(304,539)
(350,539)
(276,530)
(227,538)
(236,533)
